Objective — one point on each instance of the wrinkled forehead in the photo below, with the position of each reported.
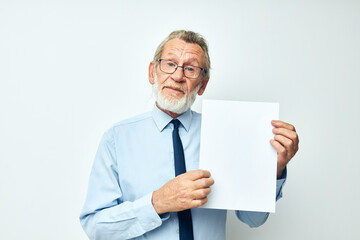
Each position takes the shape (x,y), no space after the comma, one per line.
(179,50)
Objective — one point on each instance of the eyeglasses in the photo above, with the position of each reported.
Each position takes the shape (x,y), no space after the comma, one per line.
(189,71)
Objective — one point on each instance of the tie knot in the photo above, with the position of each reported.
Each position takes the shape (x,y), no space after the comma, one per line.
(176,123)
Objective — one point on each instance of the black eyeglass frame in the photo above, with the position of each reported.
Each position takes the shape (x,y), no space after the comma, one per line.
(183,67)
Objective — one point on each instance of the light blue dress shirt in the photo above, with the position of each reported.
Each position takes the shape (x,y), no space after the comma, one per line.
(135,157)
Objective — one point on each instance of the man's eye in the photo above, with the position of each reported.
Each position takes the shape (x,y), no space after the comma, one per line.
(190,69)
(170,64)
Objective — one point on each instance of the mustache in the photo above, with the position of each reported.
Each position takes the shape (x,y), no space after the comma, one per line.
(174,86)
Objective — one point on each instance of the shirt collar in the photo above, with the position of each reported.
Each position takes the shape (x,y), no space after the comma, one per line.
(162,119)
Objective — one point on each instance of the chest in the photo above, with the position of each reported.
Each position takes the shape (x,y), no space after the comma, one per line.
(145,163)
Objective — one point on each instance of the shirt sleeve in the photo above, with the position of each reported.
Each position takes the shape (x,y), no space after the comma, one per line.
(256,219)
(105,215)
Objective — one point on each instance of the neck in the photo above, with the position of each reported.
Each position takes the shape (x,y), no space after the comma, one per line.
(171,114)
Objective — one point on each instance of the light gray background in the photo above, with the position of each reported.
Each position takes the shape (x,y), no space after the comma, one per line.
(70,69)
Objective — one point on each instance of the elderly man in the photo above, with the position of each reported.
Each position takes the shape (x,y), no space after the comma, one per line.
(145,182)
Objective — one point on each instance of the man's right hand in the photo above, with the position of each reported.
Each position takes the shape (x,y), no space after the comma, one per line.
(185,191)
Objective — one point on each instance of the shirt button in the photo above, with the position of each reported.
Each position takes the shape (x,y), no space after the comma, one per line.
(177,231)
(153,223)
(129,234)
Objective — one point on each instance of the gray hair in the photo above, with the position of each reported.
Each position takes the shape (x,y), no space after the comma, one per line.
(189,37)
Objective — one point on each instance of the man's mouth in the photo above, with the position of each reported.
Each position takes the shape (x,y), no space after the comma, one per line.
(174,88)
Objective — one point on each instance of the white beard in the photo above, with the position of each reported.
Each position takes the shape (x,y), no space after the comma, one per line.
(174,105)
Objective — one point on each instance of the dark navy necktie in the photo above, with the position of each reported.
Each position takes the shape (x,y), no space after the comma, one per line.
(185,221)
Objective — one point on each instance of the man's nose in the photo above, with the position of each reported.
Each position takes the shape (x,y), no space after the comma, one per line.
(178,75)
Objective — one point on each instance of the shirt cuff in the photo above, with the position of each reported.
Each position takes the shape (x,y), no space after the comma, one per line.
(280,184)
(146,214)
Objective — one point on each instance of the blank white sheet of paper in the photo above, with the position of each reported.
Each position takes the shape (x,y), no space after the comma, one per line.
(235,147)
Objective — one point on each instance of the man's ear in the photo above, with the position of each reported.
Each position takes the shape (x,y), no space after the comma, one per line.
(203,86)
(151,73)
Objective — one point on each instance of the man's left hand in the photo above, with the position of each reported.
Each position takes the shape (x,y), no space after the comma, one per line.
(286,143)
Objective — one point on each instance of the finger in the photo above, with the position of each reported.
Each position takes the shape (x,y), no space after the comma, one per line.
(281,124)
(198,174)
(203,183)
(284,141)
(288,143)
(280,149)
(200,193)
(286,133)
(198,202)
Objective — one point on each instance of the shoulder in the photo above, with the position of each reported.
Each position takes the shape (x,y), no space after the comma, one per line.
(196,118)
(136,120)
(129,124)
(196,115)
(122,130)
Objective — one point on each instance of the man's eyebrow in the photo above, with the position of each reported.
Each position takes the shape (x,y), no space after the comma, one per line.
(188,61)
